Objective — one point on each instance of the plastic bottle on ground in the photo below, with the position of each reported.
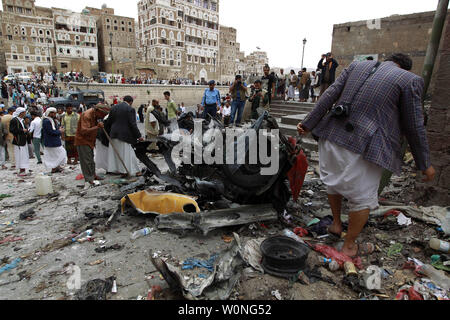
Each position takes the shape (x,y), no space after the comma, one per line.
(85,234)
(332,265)
(437,276)
(141,233)
(440,245)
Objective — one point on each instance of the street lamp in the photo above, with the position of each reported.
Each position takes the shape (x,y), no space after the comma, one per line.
(303,56)
(112,58)
(49,54)
(215,70)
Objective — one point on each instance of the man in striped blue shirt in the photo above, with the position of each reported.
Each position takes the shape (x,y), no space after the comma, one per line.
(211,100)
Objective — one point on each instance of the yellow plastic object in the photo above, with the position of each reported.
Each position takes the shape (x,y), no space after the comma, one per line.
(153,202)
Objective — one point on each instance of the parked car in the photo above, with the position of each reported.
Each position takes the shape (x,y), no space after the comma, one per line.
(9,77)
(24,76)
(74,98)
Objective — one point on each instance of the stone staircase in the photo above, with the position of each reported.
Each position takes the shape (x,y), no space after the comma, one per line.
(289,115)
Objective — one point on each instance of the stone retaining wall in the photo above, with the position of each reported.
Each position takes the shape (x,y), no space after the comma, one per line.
(143,93)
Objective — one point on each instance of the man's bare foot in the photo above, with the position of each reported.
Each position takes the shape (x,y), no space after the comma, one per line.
(336,229)
(350,249)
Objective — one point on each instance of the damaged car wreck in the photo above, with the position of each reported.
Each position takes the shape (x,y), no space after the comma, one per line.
(200,198)
(228,192)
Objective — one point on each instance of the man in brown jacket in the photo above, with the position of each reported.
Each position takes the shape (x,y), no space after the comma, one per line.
(305,83)
(85,139)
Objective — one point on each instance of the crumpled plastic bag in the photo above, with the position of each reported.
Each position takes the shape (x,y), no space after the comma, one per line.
(435,215)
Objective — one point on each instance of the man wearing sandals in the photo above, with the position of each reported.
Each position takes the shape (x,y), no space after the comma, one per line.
(360,121)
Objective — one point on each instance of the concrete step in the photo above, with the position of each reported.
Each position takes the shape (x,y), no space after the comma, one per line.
(290,110)
(276,114)
(288,130)
(298,104)
(308,142)
(293,120)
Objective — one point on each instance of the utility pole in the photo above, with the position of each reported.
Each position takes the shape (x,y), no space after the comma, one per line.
(433,46)
(112,57)
(303,55)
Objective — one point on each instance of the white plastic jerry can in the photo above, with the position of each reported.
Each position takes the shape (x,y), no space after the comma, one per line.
(43,185)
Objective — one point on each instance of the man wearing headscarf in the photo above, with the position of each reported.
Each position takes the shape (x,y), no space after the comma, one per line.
(6,120)
(17,128)
(85,138)
(54,153)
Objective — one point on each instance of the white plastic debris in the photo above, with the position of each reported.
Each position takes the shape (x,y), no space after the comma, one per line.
(403,220)
(114,288)
(277,295)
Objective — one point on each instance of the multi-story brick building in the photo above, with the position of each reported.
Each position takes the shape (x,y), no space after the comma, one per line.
(241,65)
(76,41)
(2,48)
(255,63)
(181,37)
(27,35)
(116,41)
(229,49)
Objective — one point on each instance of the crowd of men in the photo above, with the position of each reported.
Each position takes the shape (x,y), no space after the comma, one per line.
(359,121)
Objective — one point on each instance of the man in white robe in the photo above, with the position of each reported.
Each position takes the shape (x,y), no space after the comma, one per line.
(55,155)
(17,128)
(123,130)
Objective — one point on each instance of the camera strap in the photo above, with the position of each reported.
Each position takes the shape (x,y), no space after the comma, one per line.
(372,72)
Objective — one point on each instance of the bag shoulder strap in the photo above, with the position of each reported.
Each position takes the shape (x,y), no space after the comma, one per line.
(372,72)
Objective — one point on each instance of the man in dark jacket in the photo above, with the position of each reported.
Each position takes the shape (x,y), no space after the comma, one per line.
(123,130)
(18,130)
(328,66)
(55,155)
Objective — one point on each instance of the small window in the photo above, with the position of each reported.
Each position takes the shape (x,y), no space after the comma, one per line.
(64,65)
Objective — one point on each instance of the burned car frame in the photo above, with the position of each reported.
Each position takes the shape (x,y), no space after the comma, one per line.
(239,182)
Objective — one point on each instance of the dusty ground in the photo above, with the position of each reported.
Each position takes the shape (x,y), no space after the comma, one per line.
(41,273)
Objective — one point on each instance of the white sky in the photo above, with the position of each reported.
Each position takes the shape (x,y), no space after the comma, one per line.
(279,26)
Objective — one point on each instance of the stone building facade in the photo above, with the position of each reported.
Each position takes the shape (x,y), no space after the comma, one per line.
(409,34)
(228,49)
(255,63)
(27,36)
(116,40)
(75,41)
(241,64)
(181,37)
(2,48)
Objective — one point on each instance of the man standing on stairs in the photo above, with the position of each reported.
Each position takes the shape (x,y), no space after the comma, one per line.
(238,92)
(360,121)
(269,82)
